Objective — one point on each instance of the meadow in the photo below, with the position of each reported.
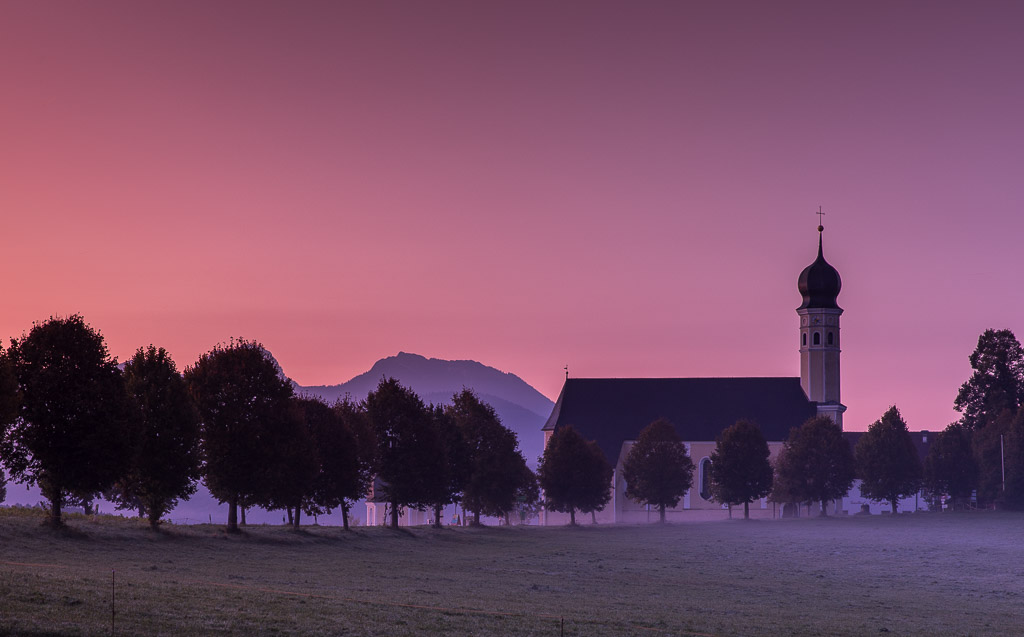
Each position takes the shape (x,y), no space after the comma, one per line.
(916,574)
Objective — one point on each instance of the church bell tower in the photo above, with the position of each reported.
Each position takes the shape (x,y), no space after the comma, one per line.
(819,284)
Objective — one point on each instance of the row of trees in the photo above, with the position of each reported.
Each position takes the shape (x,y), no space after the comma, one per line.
(77,425)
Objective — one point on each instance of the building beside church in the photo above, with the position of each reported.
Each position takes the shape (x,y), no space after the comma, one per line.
(613,411)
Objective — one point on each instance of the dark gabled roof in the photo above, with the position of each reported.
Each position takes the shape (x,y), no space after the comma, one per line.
(922,440)
(613,410)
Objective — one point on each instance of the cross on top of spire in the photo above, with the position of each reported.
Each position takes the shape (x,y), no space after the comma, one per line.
(820,214)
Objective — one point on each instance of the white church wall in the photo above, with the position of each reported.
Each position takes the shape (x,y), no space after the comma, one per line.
(854,502)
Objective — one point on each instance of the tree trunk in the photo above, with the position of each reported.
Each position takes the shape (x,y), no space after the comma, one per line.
(291,520)
(142,511)
(394,514)
(593,517)
(895,503)
(437,515)
(243,516)
(476,518)
(298,517)
(746,510)
(661,514)
(508,520)
(56,501)
(344,515)
(824,508)
(730,510)
(233,515)
(572,517)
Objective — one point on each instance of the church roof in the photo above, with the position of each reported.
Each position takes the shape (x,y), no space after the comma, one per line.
(614,410)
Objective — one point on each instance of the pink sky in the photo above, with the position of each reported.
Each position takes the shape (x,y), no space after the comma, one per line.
(628,188)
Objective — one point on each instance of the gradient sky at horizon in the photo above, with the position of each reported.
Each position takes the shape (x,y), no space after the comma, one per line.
(628,188)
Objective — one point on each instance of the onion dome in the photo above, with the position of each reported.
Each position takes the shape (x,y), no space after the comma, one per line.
(819,283)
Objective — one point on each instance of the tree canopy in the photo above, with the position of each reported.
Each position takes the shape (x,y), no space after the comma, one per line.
(950,468)
(165,463)
(408,457)
(816,464)
(740,469)
(887,460)
(455,467)
(242,397)
(658,471)
(74,435)
(997,383)
(496,467)
(574,474)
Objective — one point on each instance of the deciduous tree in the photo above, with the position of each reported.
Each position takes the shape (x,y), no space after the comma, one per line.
(997,383)
(295,463)
(242,396)
(887,461)
(165,463)
(349,456)
(657,470)
(495,463)
(816,464)
(574,474)
(950,468)
(455,467)
(407,447)
(740,469)
(74,435)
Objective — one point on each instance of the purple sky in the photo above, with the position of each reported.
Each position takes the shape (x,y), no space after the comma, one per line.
(628,188)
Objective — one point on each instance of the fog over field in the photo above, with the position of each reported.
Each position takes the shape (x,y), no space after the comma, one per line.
(914,574)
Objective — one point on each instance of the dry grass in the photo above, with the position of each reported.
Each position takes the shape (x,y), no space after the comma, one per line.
(925,574)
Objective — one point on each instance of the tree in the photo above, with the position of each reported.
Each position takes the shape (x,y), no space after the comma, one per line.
(242,396)
(1013,453)
(348,456)
(997,383)
(527,496)
(816,464)
(165,463)
(740,469)
(657,470)
(454,467)
(296,461)
(950,468)
(887,460)
(407,446)
(988,447)
(9,405)
(574,474)
(74,435)
(495,463)
(334,475)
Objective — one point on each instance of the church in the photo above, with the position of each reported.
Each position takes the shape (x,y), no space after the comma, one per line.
(613,411)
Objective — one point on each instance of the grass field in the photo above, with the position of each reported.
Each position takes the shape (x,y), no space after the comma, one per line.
(922,574)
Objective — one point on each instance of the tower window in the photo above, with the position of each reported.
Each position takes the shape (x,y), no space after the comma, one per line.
(830,339)
(803,339)
(817,338)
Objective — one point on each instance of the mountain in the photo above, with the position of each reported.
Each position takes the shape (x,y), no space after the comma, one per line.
(521,408)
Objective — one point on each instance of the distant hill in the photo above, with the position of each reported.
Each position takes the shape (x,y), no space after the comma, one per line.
(521,408)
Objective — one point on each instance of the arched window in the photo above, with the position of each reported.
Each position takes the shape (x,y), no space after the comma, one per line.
(830,339)
(705,478)
(803,340)
(817,338)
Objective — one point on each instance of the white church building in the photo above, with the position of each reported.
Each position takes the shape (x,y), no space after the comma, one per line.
(613,411)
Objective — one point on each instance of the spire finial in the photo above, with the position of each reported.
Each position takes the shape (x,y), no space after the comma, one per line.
(820,214)
(567,372)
